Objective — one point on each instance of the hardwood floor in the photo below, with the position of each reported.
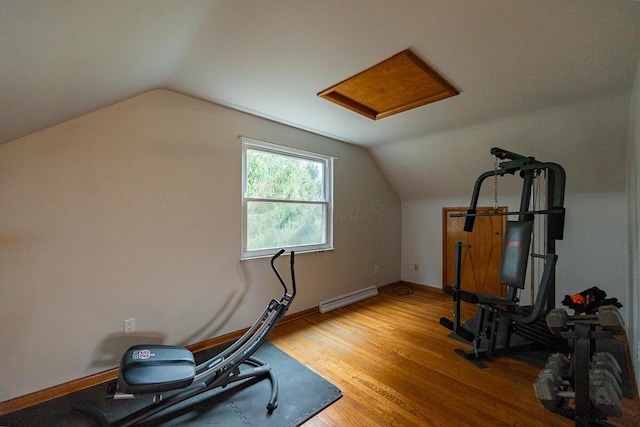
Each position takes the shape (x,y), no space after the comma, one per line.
(396,367)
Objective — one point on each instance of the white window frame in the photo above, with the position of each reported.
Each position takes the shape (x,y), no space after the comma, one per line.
(327,161)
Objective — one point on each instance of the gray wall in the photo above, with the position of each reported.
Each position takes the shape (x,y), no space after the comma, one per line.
(135,211)
(634,223)
(593,252)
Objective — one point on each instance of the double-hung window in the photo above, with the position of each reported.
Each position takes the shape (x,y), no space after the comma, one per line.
(287,197)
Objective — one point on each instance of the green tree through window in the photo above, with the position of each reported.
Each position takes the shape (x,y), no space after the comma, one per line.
(287,199)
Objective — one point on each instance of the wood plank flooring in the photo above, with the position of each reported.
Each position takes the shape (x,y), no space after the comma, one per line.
(396,367)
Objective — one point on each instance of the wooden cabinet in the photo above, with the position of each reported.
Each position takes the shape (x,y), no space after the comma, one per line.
(481,261)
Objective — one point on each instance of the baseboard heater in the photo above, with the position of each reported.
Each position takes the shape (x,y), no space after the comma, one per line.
(346,299)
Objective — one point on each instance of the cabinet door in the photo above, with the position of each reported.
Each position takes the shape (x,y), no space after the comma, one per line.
(481,261)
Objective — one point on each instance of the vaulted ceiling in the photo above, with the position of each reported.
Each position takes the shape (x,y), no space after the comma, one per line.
(532,75)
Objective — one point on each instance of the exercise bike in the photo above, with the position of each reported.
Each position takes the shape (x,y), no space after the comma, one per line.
(148,371)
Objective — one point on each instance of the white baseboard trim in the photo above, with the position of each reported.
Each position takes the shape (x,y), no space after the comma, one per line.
(346,299)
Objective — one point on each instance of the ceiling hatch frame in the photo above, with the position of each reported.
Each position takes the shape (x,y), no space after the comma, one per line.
(399,83)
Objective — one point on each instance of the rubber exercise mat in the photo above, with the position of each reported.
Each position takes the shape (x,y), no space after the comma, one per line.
(302,394)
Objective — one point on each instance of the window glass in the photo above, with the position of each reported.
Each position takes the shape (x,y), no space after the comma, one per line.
(287,199)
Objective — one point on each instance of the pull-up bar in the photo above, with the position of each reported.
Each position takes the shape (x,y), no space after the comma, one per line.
(528,168)
(557,211)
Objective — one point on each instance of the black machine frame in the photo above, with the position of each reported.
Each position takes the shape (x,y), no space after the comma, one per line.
(504,316)
(529,168)
(221,371)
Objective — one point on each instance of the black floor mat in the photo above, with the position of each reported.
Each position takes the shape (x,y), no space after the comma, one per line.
(302,394)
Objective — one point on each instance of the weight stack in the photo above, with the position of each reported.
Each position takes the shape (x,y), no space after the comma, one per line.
(537,332)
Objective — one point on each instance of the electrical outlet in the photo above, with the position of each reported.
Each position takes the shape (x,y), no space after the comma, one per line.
(130,326)
(416,267)
(376,269)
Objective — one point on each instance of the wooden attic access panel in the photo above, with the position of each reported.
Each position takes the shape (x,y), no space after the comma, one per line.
(397,84)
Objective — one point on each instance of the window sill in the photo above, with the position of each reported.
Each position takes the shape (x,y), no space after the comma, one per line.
(249,258)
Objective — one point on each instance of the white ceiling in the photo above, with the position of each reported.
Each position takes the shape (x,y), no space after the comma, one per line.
(509,58)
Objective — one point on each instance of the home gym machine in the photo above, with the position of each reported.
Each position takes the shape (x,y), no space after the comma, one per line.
(151,370)
(501,317)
